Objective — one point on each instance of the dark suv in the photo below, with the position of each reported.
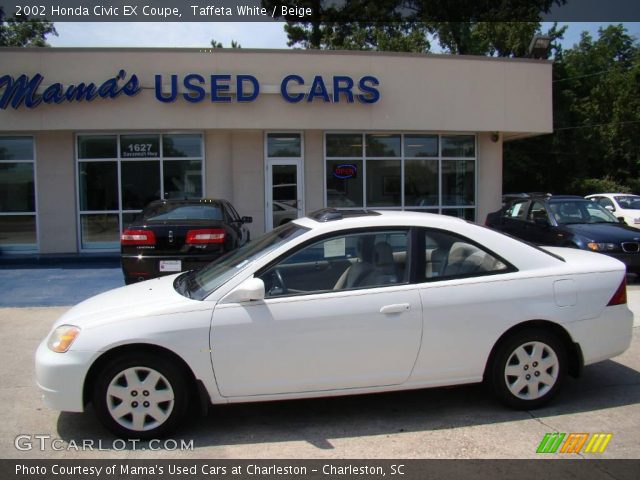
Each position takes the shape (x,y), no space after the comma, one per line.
(569,221)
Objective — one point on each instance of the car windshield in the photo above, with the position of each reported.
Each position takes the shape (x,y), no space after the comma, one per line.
(629,202)
(169,211)
(569,212)
(198,285)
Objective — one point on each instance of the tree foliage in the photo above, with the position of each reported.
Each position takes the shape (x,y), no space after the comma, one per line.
(216,44)
(24,32)
(596,108)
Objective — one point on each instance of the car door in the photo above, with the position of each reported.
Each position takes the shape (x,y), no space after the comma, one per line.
(538,227)
(468,299)
(514,218)
(362,330)
(237,225)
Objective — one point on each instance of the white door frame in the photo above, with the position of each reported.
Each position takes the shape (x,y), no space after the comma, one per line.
(269,162)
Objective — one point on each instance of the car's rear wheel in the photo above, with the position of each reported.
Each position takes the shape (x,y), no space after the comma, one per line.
(528,369)
(141,396)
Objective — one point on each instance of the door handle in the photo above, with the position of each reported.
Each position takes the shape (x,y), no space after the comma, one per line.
(396,308)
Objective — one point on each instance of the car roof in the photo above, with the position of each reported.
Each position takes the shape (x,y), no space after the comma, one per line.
(188,201)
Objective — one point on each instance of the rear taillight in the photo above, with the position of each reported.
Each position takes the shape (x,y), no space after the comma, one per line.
(205,235)
(620,297)
(137,237)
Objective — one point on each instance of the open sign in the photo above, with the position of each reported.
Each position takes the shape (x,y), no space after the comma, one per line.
(345,171)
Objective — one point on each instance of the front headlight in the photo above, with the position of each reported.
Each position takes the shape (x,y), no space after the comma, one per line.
(62,337)
(601,247)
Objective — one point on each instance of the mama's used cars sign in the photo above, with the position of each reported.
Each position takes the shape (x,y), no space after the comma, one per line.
(193,87)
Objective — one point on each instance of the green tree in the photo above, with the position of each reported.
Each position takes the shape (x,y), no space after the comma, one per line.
(596,110)
(216,44)
(24,31)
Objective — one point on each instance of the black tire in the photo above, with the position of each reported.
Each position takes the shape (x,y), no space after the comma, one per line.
(505,385)
(130,280)
(173,379)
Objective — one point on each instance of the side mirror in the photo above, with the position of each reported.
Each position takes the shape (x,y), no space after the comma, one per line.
(611,208)
(247,219)
(249,290)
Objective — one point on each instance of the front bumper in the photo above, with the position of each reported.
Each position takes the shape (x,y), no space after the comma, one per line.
(60,377)
(139,267)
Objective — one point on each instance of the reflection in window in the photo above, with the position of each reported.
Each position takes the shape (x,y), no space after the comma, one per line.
(183,179)
(100,231)
(131,177)
(98,185)
(383,183)
(458,146)
(140,183)
(182,145)
(458,182)
(344,183)
(421,183)
(382,145)
(17,194)
(98,146)
(344,145)
(284,145)
(420,146)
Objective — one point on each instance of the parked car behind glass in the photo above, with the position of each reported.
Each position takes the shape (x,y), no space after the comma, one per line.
(569,221)
(172,236)
(623,205)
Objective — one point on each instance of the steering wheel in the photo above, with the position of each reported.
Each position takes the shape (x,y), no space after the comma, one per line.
(279,281)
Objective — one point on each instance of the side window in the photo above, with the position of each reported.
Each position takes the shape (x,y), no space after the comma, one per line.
(448,256)
(537,213)
(517,210)
(605,202)
(232,213)
(343,262)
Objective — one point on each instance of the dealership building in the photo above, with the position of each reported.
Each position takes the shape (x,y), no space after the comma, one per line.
(88,137)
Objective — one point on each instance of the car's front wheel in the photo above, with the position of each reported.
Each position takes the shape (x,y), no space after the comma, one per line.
(141,396)
(528,369)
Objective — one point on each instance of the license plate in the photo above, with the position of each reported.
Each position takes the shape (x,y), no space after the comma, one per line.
(170,265)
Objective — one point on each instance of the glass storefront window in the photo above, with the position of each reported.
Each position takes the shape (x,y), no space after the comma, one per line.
(98,146)
(17,192)
(16,148)
(344,145)
(413,171)
(98,185)
(459,146)
(421,146)
(383,183)
(182,179)
(100,231)
(139,146)
(421,183)
(282,145)
(18,230)
(344,183)
(182,145)
(458,182)
(382,145)
(115,184)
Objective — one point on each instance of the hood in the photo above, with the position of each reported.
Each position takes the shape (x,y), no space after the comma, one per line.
(605,232)
(153,297)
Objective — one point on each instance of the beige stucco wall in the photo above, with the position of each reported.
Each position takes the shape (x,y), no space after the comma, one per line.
(489,176)
(56,192)
(418,92)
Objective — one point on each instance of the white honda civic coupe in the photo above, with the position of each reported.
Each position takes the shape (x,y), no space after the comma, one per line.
(340,302)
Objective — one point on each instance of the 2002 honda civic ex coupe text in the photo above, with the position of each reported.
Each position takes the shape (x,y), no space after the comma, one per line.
(337,303)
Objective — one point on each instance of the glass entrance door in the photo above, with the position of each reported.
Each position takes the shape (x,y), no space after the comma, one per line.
(284,200)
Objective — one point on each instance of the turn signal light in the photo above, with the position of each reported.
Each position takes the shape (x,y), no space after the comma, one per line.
(205,235)
(620,297)
(137,237)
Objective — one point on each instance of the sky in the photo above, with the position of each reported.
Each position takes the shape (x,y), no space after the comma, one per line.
(199,35)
